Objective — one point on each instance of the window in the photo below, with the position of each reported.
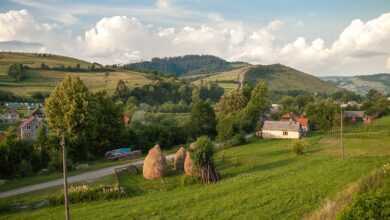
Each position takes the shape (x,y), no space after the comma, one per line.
(285,133)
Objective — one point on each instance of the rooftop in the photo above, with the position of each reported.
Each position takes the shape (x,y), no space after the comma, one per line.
(281,125)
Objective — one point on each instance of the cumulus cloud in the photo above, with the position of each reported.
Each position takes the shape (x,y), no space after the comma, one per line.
(123,39)
(388,63)
(21,25)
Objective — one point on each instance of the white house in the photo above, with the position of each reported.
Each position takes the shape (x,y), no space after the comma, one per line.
(281,130)
(29,128)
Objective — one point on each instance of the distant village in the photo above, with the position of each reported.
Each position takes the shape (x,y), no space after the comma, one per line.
(29,118)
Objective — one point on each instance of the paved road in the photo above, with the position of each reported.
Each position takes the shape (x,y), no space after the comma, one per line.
(84,177)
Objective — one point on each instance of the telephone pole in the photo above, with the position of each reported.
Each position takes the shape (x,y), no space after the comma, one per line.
(341,132)
(65,173)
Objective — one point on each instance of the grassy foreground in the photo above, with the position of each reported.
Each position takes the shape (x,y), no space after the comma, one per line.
(262,180)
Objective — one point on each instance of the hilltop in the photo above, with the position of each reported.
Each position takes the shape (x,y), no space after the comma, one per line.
(363,83)
(183,65)
(278,77)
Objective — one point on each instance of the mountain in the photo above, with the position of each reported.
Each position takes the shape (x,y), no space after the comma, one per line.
(183,65)
(363,83)
(278,77)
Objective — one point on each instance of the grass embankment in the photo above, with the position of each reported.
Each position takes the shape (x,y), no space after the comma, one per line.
(263,179)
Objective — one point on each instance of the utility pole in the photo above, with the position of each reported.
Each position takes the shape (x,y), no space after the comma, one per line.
(65,173)
(341,132)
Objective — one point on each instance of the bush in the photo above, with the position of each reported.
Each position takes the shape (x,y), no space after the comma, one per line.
(369,206)
(85,193)
(299,147)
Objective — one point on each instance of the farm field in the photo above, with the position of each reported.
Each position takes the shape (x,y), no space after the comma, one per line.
(262,179)
(45,81)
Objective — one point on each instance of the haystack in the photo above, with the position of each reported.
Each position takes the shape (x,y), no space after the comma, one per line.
(179,159)
(189,167)
(154,164)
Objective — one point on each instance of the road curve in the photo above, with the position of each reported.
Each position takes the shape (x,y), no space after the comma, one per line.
(87,176)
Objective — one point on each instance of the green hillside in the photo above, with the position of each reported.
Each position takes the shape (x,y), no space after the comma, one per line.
(278,77)
(183,65)
(44,80)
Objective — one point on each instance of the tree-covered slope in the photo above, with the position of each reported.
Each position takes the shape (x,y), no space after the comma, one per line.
(183,65)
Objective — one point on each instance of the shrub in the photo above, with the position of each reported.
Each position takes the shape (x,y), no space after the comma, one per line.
(299,147)
(85,193)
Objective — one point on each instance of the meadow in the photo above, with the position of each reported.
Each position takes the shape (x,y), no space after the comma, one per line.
(263,179)
(38,80)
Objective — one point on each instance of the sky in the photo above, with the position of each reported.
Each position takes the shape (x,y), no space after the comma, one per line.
(333,37)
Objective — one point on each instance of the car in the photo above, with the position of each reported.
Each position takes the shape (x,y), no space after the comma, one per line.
(117,153)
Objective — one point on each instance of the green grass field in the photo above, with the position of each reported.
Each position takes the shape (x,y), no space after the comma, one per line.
(46,80)
(263,180)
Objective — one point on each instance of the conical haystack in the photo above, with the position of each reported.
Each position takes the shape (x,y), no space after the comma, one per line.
(180,156)
(154,164)
(189,167)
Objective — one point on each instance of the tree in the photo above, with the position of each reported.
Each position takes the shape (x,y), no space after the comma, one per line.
(202,153)
(324,114)
(231,103)
(68,114)
(17,71)
(256,107)
(203,120)
(122,91)
(108,121)
(376,103)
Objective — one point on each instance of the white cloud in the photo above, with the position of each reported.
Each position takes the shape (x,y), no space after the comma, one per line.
(361,46)
(163,4)
(275,25)
(388,63)
(20,25)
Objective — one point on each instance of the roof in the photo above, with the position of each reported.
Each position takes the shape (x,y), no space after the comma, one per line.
(350,114)
(288,115)
(303,121)
(26,121)
(11,111)
(281,126)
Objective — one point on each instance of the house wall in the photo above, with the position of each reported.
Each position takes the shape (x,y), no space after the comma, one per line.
(269,134)
(30,131)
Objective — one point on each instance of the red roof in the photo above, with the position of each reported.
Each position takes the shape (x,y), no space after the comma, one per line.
(26,121)
(303,121)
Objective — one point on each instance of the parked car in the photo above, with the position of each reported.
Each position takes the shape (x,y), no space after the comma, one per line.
(117,153)
(122,153)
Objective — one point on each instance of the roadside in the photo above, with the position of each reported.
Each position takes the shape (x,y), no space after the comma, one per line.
(84,177)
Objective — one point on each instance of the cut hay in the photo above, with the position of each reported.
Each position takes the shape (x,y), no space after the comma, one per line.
(154,164)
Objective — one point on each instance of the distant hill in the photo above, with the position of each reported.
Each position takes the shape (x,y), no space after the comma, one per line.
(44,80)
(278,77)
(362,84)
(183,65)
(35,60)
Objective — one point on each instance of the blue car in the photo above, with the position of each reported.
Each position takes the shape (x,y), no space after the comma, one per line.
(117,153)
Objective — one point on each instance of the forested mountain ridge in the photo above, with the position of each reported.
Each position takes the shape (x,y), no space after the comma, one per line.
(183,65)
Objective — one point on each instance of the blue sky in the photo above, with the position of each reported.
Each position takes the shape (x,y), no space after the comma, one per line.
(264,32)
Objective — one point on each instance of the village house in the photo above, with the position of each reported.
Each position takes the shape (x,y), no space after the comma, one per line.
(354,116)
(280,130)
(10,116)
(302,120)
(30,126)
